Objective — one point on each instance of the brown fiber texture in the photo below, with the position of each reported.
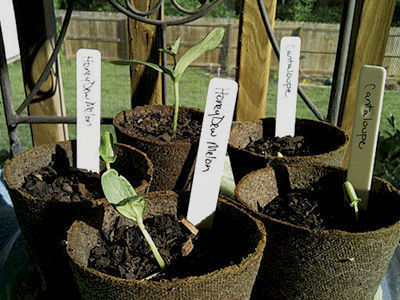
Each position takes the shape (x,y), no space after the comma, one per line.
(300,263)
(236,227)
(173,161)
(332,138)
(44,223)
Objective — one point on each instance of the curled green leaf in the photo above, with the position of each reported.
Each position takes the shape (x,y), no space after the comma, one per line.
(175,46)
(133,207)
(106,149)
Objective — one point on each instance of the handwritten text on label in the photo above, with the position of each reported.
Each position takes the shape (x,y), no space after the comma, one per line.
(221,98)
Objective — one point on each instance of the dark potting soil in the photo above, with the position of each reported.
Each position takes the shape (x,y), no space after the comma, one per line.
(315,209)
(158,126)
(287,145)
(63,184)
(124,252)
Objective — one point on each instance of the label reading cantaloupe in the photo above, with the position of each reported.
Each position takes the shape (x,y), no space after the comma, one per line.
(288,81)
(365,130)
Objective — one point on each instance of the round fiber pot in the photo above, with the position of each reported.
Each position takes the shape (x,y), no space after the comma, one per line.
(304,263)
(330,144)
(240,236)
(173,161)
(44,223)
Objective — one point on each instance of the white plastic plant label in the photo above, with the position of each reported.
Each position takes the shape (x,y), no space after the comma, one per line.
(365,130)
(88,105)
(288,81)
(218,115)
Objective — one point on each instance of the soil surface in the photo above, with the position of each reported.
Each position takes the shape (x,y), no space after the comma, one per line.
(315,209)
(158,126)
(63,184)
(287,146)
(126,254)
(299,208)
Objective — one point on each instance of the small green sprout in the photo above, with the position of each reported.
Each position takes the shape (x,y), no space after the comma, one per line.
(120,193)
(278,154)
(354,200)
(210,42)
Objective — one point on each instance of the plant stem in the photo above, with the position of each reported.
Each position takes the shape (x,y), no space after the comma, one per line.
(176,106)
(353,197)
(153,247)
(108,165)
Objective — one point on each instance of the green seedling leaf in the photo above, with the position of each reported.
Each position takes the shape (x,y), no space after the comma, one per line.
(210,42)
(132,207)
(147,64)
(278,154)
(175,46)
(353,198)
(167,51)
(106,149)
(115,187)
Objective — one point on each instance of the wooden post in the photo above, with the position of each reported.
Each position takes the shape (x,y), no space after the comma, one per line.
(373,33)
(254,57)
(144,42)
(36,27)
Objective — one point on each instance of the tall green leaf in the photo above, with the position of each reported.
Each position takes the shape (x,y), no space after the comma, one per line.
(210,42)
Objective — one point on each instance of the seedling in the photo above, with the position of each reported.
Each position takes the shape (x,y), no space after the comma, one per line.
(120,193)
(210,42)
(353,198)
(278,154)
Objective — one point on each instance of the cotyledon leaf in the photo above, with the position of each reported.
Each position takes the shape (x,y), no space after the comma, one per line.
(116,188)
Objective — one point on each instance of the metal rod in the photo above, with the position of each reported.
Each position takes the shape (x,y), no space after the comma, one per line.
(143,13)
(164,91)
(169,22)
(51,62)
(341,61)
(54,120)
(15,144)
(275,47)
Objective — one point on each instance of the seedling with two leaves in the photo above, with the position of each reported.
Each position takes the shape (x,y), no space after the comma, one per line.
(210,42)
(120,193)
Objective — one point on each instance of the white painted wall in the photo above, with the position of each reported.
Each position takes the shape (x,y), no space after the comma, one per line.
(9,29)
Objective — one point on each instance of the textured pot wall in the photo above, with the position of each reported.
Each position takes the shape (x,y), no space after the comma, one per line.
(172,161)
(241,234)
(333,140)
(300,263)
(44,223)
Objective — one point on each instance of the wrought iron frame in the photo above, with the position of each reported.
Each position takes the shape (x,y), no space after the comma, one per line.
(14,117)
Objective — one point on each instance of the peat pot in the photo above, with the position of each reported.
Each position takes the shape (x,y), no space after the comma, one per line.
(329,144)
(173,160)
(44,222)
(304,263)
(239,237)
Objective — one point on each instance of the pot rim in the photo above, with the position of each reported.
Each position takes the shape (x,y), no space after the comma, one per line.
(10,166)
(244,263)
(336,232)
(151,107)
(308,120)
